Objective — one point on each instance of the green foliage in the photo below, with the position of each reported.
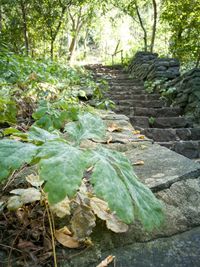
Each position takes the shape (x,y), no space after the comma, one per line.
(183,18)
(13,155)
(87,127)
(62,167)
(8,110)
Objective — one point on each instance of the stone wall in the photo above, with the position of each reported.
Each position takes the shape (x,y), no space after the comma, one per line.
(141,63)
(167,68)
(148,66)
(164,76)
(187,93)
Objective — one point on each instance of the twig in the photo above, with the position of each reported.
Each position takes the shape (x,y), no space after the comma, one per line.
(10,247)
(52,233)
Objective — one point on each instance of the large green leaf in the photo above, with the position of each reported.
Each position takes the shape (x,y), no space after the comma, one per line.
(114,181)
(62,167)
(13,154)
(39,135)
(88,126)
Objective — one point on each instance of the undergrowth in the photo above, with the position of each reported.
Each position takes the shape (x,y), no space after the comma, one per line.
(59,140)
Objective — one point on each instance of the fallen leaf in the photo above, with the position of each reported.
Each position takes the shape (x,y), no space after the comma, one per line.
(114,128)
(28,195)
(83,222)
(114,224)
(107,261)
(101,209)
(34,180)
(136,132)
(62,208)
(14,203)
(63,236)
(90,168)
(141,137)
(139,162)
(109,139)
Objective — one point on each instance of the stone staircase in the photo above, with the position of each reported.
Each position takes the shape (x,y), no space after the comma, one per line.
(163,124)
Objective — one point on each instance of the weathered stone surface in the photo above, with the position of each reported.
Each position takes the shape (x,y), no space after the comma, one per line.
(162,167)
(157,112)
(176,181)
(181,250)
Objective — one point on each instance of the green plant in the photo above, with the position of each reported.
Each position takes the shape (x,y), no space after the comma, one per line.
(66,168)
(8,109)
(151,120)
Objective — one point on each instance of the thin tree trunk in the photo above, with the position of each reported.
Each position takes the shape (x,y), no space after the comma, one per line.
(155,15)
(75,29)
(72,47)
(23,10)
(142,26)
(198,60)
(52,44)
(0,20)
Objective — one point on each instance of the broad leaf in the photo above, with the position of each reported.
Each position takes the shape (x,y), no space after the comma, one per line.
(13,154)
(114,181)
(88,126)
(62,167)
(37,134)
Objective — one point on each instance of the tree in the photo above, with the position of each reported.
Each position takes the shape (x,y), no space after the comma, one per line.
(183,18)
(51,14)
(79,16)
(135,9)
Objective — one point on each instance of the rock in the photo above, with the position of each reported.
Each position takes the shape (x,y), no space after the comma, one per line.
(175,179)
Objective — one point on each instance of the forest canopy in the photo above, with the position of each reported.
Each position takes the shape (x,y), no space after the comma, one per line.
(79,29)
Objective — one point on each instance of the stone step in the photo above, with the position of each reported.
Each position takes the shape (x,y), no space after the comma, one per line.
(160,122)
(138,103)
(176,134)
(126,91)
(189,149)
(123,82)
(143,97)
(158,112)
(127,87)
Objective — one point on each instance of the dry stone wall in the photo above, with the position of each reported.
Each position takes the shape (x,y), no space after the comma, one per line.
(187,93)
(164,74)
(148,66)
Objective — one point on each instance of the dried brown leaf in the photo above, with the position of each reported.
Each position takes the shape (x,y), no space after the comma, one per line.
(109,139)
(62,208)
(83,222)
(138,163)
(101,209)
(107,261)
(63,236)
(34,180)
(114,128)
(141,137)
(136,132)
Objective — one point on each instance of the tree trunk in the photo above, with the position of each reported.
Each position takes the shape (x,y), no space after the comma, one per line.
(142,26)
(198,60)
(155,15)
(24,18)
(0,20)
(52,46)
(72,47)
(55,33)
